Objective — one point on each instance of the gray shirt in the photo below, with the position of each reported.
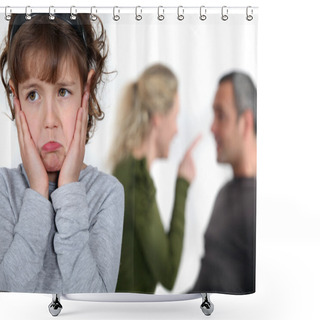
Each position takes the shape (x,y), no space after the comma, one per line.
(228,265)
(68,244)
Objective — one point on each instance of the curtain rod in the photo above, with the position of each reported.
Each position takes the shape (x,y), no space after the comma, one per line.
(161,11)
(107,9)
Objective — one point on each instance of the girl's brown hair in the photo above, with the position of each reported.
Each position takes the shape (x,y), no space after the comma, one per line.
(41,45)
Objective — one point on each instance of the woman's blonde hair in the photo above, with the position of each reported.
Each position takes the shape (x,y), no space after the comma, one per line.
(152,93)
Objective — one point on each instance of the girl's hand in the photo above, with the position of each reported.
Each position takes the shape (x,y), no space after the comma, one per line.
(73,162)
(187,168)
(36,172)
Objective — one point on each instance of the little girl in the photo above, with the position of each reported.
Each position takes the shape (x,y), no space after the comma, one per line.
(60,220)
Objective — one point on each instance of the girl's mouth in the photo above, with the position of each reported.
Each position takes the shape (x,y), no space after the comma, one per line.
(51,146)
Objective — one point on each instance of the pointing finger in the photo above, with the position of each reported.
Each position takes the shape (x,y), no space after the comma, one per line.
(194,143)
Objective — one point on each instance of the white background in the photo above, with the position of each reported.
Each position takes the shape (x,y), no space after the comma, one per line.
(288,239)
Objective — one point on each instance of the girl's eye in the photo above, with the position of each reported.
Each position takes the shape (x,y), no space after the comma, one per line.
(33,96)
(63,92)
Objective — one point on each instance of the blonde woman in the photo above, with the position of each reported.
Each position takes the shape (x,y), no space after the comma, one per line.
(147,122)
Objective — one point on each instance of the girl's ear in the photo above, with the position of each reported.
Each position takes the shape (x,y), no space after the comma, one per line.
(89,79)
(12,88)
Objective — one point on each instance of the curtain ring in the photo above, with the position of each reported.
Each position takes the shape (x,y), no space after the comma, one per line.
(28,13)
(116,17)
(93,17)
(138,16)
(249,16)
(8,12)
(160,16)
(180,15)
(52,12)
(224,13)
(73,13)
(203,13)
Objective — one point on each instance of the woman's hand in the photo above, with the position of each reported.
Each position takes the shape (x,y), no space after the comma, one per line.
(73,162)
(187,168)
(36,172)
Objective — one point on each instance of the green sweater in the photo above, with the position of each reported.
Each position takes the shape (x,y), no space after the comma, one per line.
(150,255)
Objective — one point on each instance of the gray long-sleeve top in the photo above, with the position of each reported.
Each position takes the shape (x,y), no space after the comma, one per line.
(70,244)
(228,265)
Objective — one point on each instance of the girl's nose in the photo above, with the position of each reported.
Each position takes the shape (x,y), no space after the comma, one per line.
(51,118)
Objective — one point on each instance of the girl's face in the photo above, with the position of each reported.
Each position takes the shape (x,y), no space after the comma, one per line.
(51,111)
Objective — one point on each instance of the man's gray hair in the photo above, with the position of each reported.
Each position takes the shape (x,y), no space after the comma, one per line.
(245,93)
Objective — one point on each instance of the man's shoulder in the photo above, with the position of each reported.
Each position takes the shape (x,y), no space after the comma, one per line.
(237,188)
(238,183)
(226,187)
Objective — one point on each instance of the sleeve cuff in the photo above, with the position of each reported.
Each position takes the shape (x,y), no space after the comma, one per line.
(36,216)
(182,185)
(70,205)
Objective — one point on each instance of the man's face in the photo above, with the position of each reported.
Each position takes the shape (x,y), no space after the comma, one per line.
(227,127)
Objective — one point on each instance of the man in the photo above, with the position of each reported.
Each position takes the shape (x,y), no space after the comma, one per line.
(228,265)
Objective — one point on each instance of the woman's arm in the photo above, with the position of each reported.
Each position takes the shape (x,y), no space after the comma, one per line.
(162,250)
(88,252)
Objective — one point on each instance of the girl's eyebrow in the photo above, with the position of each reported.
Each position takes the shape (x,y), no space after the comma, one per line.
(28,86)
(66,83)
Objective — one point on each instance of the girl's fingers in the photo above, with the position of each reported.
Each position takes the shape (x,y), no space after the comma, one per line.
(16,103)
(24,126)
(77,130)
(17,109)
(85,98)
(84,116)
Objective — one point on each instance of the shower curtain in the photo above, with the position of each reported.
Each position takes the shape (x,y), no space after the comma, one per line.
(199,46)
